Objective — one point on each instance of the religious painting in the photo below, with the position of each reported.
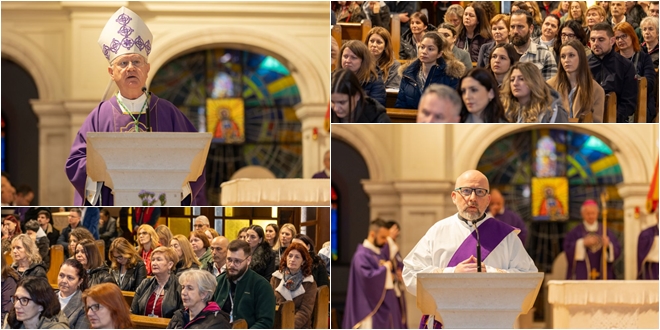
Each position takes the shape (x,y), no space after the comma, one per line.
(225,118)
(550,199)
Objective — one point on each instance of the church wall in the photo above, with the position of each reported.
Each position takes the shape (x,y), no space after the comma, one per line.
(57,43)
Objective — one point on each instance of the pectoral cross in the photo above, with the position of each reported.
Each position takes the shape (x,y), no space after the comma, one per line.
(594,274)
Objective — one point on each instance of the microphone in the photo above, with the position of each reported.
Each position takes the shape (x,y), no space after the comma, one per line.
(474,223)
(144,90)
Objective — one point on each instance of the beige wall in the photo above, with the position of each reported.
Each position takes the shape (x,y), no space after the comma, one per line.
(56,42)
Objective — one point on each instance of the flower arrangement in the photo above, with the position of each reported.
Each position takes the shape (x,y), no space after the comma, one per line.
(149,198)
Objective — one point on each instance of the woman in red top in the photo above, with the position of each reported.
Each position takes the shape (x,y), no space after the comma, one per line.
(147,242)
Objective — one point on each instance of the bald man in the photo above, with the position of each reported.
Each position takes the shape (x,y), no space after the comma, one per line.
(449,246)
(219,249)
(497,211)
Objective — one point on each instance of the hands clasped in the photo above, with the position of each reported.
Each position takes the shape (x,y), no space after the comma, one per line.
(469,265)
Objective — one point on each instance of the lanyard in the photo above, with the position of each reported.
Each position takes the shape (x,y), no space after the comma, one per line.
(153,309)
(231,312)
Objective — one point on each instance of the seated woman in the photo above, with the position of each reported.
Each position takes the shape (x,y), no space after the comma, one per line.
(87,253)
(436,65)
(419,26)
(580,93)
(35,306)
(78,234)
(72,281)
(242,233)
(38,236)
(27,261)
(578,13)
(199,310)
(499,28)
(106,307)
(263,257)
(159,296)
(528,99)
(378,12)
(570,30)
(380,46)
(350,104)
(595,14)
(164,235)
(628,46)
(273,235)
(11,227)
(549,32)
(503,57)
(649,26)
(200,245)
(294,282)
(356,57)
(287,233)
(449,32)
(475,32)
(9,282)
(348,11)
(127,268)
(184,251)
(454,16)
(481,99)
(319,270)
(147,242)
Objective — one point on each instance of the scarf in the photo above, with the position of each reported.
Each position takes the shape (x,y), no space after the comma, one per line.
(292,281)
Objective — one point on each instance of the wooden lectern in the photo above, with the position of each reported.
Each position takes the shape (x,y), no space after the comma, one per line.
(158,162)
(477,300)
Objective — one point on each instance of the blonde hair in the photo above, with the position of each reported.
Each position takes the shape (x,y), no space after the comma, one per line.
(583,9)
(164,233)
(188,256)
(291,228)
(540,96)
(205,281)
(31,250)
(121,246)
(152,233)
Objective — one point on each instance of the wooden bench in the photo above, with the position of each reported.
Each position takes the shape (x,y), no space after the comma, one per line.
(642,90)
(609,114)
(128,296)
(320,313)
(100,244)
(355,31)
(146,322)
(390,100)
(56,261)
(239,324)
(395,34)
(285,315)
(402,115)
(584,118)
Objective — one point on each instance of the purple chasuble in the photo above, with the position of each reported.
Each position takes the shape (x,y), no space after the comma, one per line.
(320,175)
(581,269)
(165,117)
(646,270)
(367,295)
(492,233)
(511,218)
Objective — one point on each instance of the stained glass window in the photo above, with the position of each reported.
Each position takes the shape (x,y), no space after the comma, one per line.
(266,132)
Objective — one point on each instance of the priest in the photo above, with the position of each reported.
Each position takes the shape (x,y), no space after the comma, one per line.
(584,246)
(371,302)
(647,253)
(449,246)
(126,43)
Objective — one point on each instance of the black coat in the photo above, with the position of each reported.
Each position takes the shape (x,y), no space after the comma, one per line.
(99,275)
(370,112)
(375,89)
(644,68)
(616,73)
(171,300)
(263,261)
(211,317)
(37,270)
(180,269)
(133,277)
(43,244)
(475,45)
(409,92)
(408,49)
(400,7)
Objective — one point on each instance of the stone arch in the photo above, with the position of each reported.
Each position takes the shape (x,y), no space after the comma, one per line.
(28,55)
(309,77)
(369,146)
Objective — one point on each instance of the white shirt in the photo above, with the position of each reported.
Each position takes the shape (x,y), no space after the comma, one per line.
(434,251)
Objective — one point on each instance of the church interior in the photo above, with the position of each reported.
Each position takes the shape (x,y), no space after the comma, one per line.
(406,173)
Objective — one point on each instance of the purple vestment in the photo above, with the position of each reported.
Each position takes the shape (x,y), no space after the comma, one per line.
(580,269)
(367,295)
(397,267)
(513,219)
(320,175)
(646,270)
(165,117)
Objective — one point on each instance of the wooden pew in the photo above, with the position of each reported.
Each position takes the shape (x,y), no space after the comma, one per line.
(239,324)
(355,31)
(100,244)
(395,34)
(609,115)
(285,315)
(320,313)
(146,322)
(584,118)
(402,115)
(390,100)
(642,90)
(128,296)
(335,31)
(56,261)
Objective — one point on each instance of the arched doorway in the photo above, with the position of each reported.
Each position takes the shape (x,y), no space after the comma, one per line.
(246,100)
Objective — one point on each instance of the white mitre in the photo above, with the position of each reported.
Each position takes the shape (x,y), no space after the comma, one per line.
(125,33)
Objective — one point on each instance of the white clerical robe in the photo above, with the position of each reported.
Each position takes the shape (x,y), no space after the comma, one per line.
(434,251)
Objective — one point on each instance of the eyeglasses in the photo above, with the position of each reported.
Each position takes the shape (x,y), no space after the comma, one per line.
(231,261)
(135,63)
(621,37)
(567,36)
(198,225)
(94,308)
(23,300)
(467,191)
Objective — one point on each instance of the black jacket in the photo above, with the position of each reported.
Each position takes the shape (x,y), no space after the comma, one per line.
(171,300)
(263,261)
(54,235)
(644,68)
(179,268)
(475,45)
(375,89)
(381,19)
(99,275)
(43,244)
(400,7)
(616,73)
(442,73)
(370,112)
(211,317)
(37,270)
(320,273)
(64,239)
(133,277)
(408,50)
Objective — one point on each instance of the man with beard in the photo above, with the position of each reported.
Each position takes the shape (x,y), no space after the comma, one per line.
(450,245)
(242,293)
(370,279)
(217,266)
(520,31)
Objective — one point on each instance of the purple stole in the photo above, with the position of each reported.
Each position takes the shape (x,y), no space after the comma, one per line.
(495,231)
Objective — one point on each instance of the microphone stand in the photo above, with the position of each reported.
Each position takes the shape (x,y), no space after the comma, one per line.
(474,223)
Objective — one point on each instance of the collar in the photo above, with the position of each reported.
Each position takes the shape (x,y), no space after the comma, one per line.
(134,106)
(240,278)
(483,217)
(371,246)
(590,227)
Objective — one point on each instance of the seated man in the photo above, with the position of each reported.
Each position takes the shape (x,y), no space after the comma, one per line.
(242,293)
(439,104)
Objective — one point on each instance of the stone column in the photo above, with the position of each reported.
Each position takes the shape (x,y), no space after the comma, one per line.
(312,116)
(54,146)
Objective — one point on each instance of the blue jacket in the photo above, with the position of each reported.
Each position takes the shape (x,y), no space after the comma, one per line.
(375,89)
(443,73)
